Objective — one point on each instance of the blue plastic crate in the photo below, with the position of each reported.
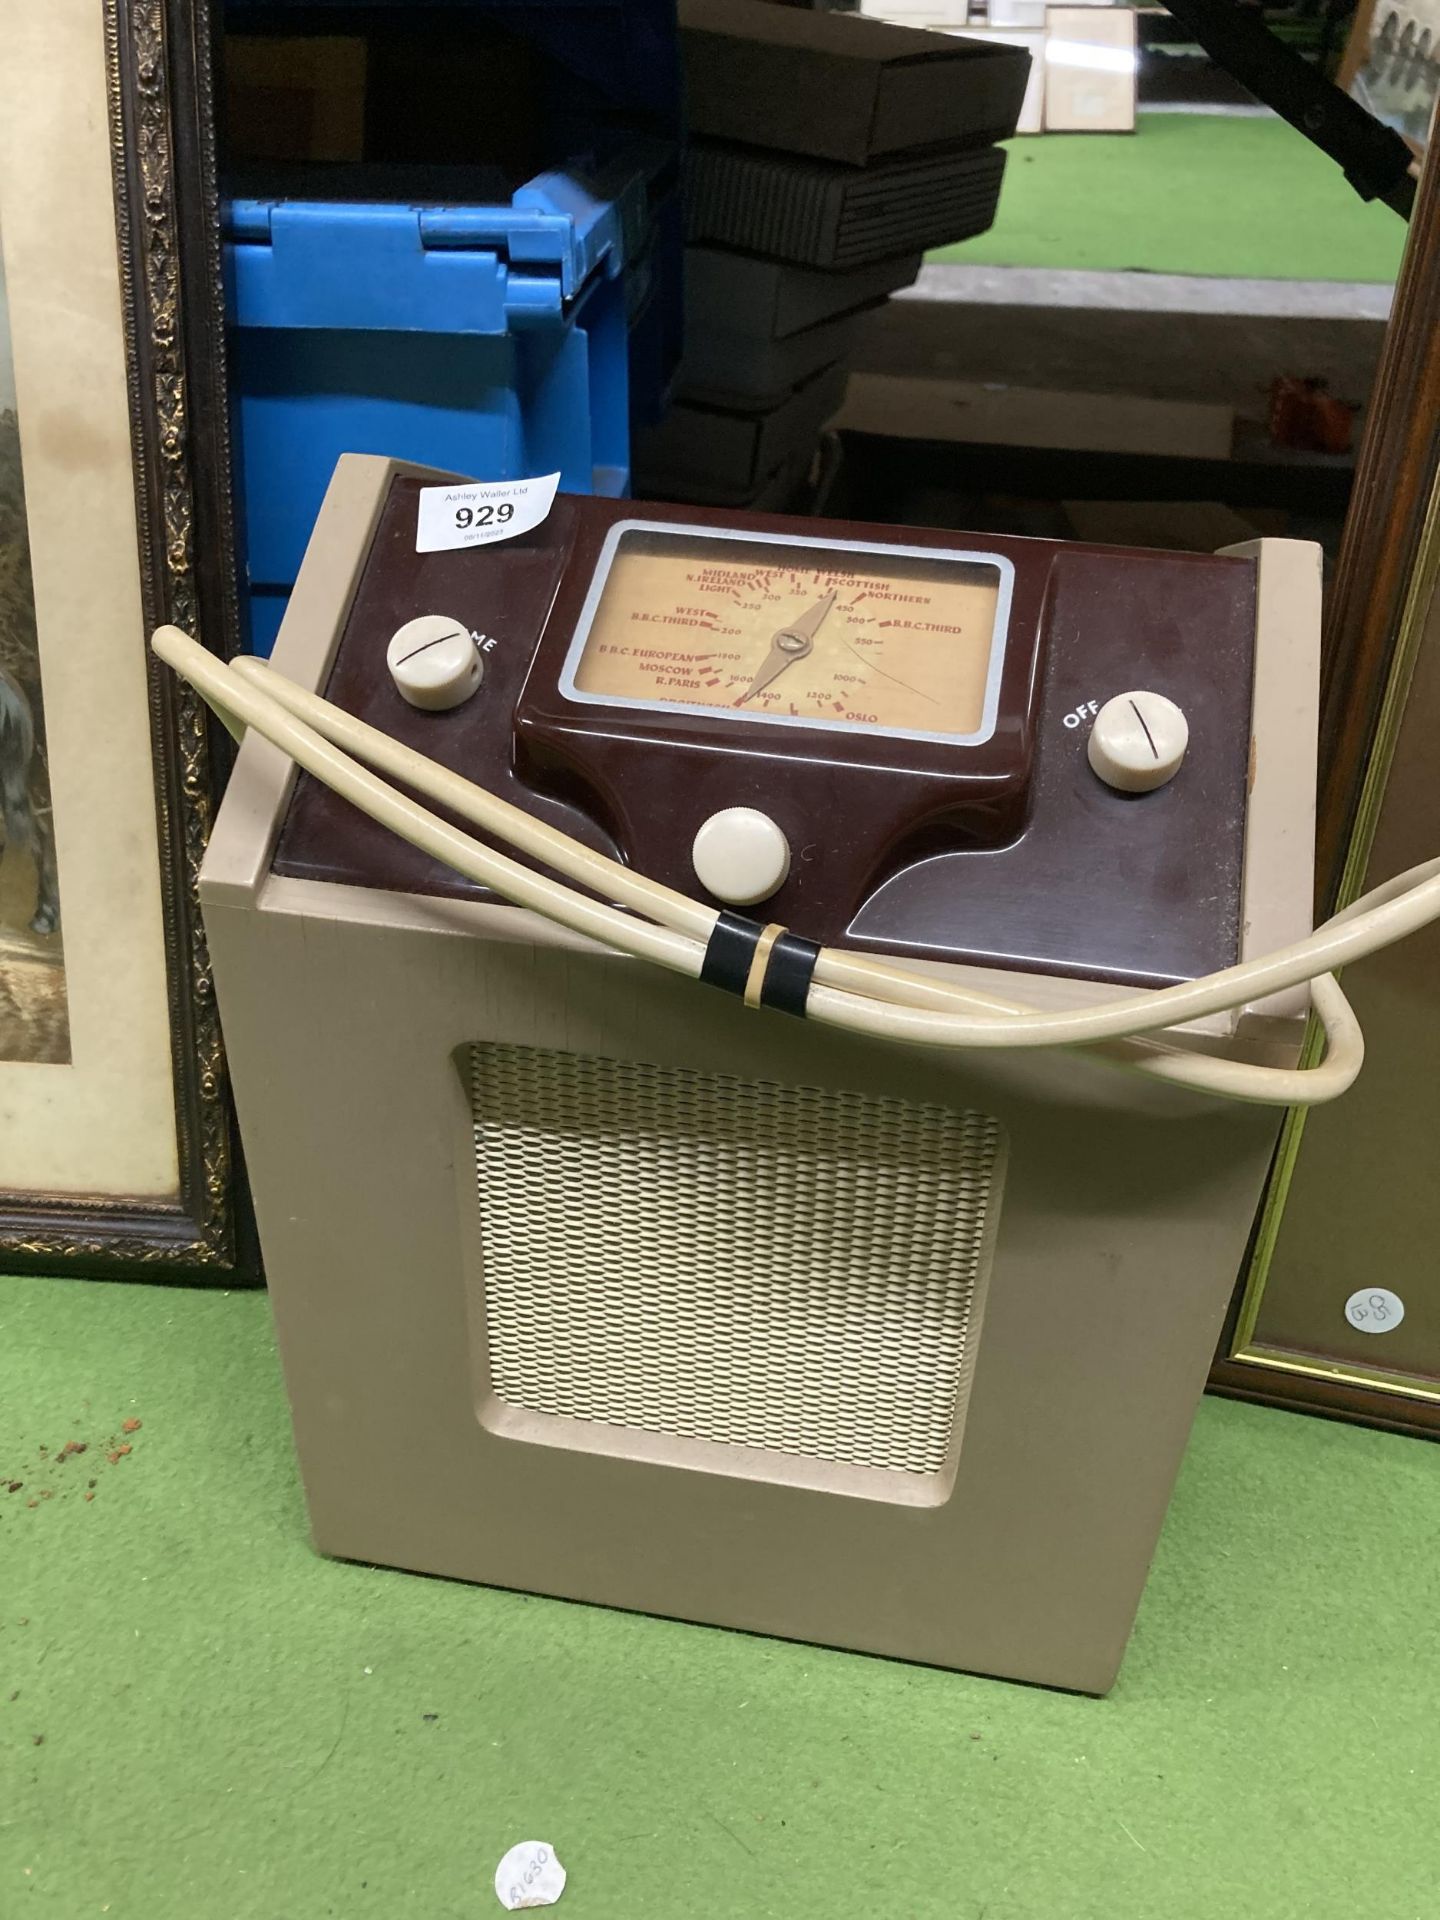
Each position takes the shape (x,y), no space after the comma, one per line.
(492,339)
(614,71)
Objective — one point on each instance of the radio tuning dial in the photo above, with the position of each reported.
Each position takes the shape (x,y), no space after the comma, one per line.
(434,662)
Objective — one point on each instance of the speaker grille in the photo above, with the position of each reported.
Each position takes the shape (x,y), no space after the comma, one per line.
(730,1260)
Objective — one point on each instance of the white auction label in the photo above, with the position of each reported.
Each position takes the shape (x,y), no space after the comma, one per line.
(529,1876)
(1375,1310)
(478,513)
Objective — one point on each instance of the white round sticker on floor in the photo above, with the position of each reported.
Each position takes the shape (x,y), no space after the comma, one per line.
(1375,1310)
(529,1876)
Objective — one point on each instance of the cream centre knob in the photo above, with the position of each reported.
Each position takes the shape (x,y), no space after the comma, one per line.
(1138,741)
(740,856)
(434,662)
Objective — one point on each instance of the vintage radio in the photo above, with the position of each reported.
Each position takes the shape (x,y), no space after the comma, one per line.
(596,1271)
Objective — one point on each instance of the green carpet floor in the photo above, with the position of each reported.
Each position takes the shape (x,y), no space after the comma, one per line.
(201,1720)
(1186,193)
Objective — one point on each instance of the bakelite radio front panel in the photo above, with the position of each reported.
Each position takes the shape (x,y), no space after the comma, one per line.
(921,744)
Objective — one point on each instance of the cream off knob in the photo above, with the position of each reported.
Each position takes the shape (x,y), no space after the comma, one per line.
(1138,741)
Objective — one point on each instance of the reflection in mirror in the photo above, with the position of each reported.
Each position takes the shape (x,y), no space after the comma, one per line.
(34,1021)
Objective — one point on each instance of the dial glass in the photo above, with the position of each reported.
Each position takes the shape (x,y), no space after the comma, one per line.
(901,639)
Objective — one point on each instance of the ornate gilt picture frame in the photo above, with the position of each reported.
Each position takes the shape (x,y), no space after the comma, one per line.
(1352,1202)
(117,1151)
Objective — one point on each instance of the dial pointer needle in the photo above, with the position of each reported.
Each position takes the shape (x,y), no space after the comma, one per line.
(790,643)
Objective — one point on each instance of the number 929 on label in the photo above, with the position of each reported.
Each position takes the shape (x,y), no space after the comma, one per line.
(479,514)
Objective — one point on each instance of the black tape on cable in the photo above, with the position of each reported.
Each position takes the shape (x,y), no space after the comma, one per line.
(730,951)
(788,976)
(730,962)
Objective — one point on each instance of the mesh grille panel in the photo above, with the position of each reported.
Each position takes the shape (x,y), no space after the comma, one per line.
(730,1260)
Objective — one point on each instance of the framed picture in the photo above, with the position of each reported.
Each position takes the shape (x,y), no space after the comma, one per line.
(116,1146)
(1391,65)
(1339,1309)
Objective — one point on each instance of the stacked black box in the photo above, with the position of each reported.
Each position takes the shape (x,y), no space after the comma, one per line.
(827,152)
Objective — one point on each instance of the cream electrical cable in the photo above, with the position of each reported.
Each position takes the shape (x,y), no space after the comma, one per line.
(227,688)
(235,699)
(853,975)
(861,994)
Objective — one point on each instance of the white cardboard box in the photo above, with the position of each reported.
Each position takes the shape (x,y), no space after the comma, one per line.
(1090,70)
(1016,13)
(918,13)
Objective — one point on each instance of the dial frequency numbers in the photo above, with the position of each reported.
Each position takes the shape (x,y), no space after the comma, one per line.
(807,642)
